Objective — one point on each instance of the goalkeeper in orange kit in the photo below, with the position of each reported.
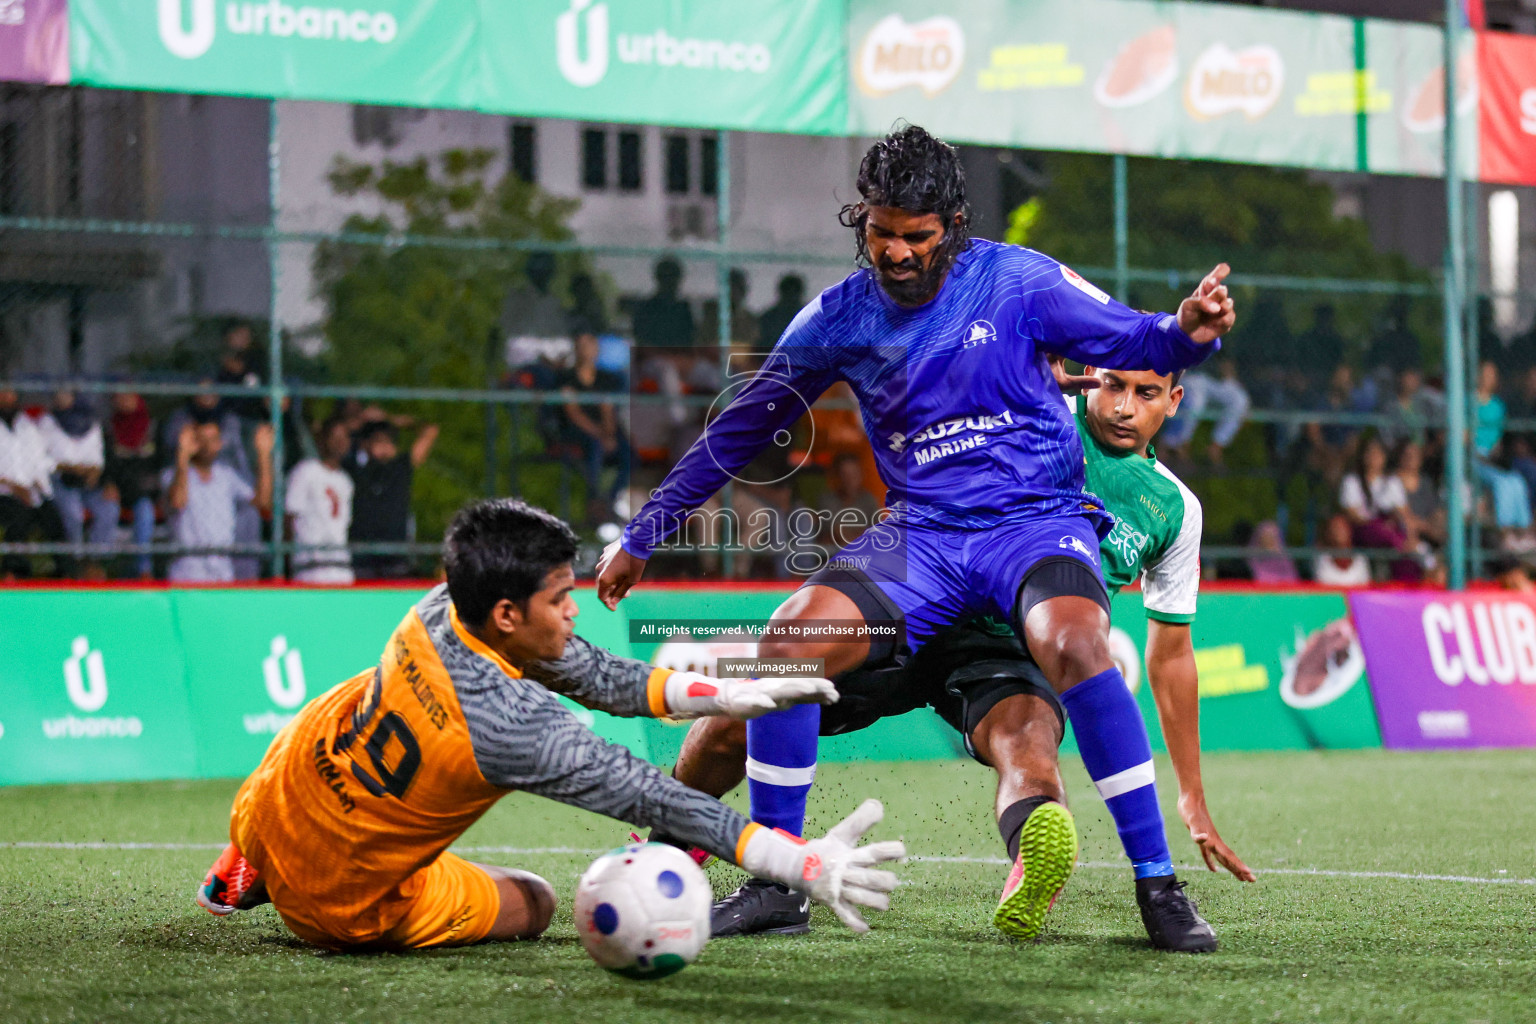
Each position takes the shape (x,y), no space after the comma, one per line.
(345,825)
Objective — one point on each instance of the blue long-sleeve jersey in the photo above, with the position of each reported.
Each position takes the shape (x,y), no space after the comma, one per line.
(967,423)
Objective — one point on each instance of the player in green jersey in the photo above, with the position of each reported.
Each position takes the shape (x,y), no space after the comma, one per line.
(981,681)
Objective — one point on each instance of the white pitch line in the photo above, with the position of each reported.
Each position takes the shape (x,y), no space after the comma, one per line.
(529,851)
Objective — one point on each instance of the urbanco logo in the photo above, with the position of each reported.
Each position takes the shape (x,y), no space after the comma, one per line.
(272,18)
(586,68)
(578,70)
(85,676)
(283,671)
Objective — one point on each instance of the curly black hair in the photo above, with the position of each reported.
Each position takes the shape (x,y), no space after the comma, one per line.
(912,170)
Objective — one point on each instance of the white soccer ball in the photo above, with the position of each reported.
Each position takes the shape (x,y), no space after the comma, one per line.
(643,910)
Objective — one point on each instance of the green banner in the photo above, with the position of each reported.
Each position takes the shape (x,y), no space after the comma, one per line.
(181,684)
(420,53)
(762,66)
(94,688)
(1158,79)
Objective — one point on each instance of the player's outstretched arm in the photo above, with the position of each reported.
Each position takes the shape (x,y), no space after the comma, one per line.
(1176,689)
(524,739)
(628,687)
(1208,313)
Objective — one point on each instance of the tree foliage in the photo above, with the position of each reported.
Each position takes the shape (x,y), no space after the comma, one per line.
(426,315)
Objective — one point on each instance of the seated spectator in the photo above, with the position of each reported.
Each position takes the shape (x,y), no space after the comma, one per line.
(203,497)
(1201,391)
(1424,514)
(1412,409)
(1507,490)
(1269,563)
(27,511)
(1341,568)
(849,508)
(1512,574)
(1342,396)
(75,447)
(591,430)
(131,469)
(1374,502)
(319,507)
(774,320)
(744,331)
(381,504)
(664,320)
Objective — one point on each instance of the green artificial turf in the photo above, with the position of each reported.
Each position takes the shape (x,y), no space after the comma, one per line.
(111,934)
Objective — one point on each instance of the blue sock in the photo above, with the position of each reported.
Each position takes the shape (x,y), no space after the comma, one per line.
(781,765)
(1112,738)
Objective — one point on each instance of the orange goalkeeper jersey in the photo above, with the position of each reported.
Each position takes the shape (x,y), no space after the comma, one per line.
(374,779)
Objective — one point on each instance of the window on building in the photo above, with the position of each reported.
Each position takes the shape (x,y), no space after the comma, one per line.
(594,158)
(522,147)
(709,165)
(630,178)
(677,164)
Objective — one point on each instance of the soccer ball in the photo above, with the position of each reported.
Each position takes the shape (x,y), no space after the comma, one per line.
(643,910)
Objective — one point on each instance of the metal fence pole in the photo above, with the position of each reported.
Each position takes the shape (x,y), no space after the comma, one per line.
(1451,300)
(723,300)
(276,389)
(1471,343)
(1122,230)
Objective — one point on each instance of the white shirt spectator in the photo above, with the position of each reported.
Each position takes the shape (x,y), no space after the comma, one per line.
(1384,497)
(63,450)
(1355,573)
(207,521)
(24,458)
(320,501)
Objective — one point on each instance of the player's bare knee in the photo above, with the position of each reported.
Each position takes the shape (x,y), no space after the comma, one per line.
(723,737)
(1080,655)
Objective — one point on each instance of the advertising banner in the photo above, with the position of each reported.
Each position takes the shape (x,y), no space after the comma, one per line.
(34,41)
(766,66)
(94,688)
(420,53)
(1157,79)
(1508,108)
(1451,670)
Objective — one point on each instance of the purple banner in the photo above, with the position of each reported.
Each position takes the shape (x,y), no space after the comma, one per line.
(34,41)
(1450,670)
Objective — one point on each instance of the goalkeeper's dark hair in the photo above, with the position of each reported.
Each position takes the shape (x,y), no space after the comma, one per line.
(501,549)
(912,170)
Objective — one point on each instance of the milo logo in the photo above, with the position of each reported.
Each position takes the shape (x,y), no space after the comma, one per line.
(190,38)
(1224,81)
(896,54)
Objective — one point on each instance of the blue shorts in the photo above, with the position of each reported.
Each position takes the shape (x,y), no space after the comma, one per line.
(937,577)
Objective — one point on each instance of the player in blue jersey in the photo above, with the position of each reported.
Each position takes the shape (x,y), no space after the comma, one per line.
(945,341)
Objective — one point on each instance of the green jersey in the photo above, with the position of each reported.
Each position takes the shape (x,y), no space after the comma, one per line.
(1157,526)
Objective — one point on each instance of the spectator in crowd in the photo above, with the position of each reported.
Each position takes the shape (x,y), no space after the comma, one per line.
(775,319)
(1512,574)
(27,511)
(318,502)
(587,306)
(1412,409)
(1376,505)
(591,429)
(1269,354)
(1268,562)
(76,449)
(240,366)
(132,470)
(1423,514)
(381,505)
(203,497)
(533,321)
(1201,391)
(1394,348)
(1507,491)
(664,320)
(1342,567)
(1342,396)
(1320,349)
(744,328)
(849,509)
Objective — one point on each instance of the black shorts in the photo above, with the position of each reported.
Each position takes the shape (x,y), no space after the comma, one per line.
(962,674)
